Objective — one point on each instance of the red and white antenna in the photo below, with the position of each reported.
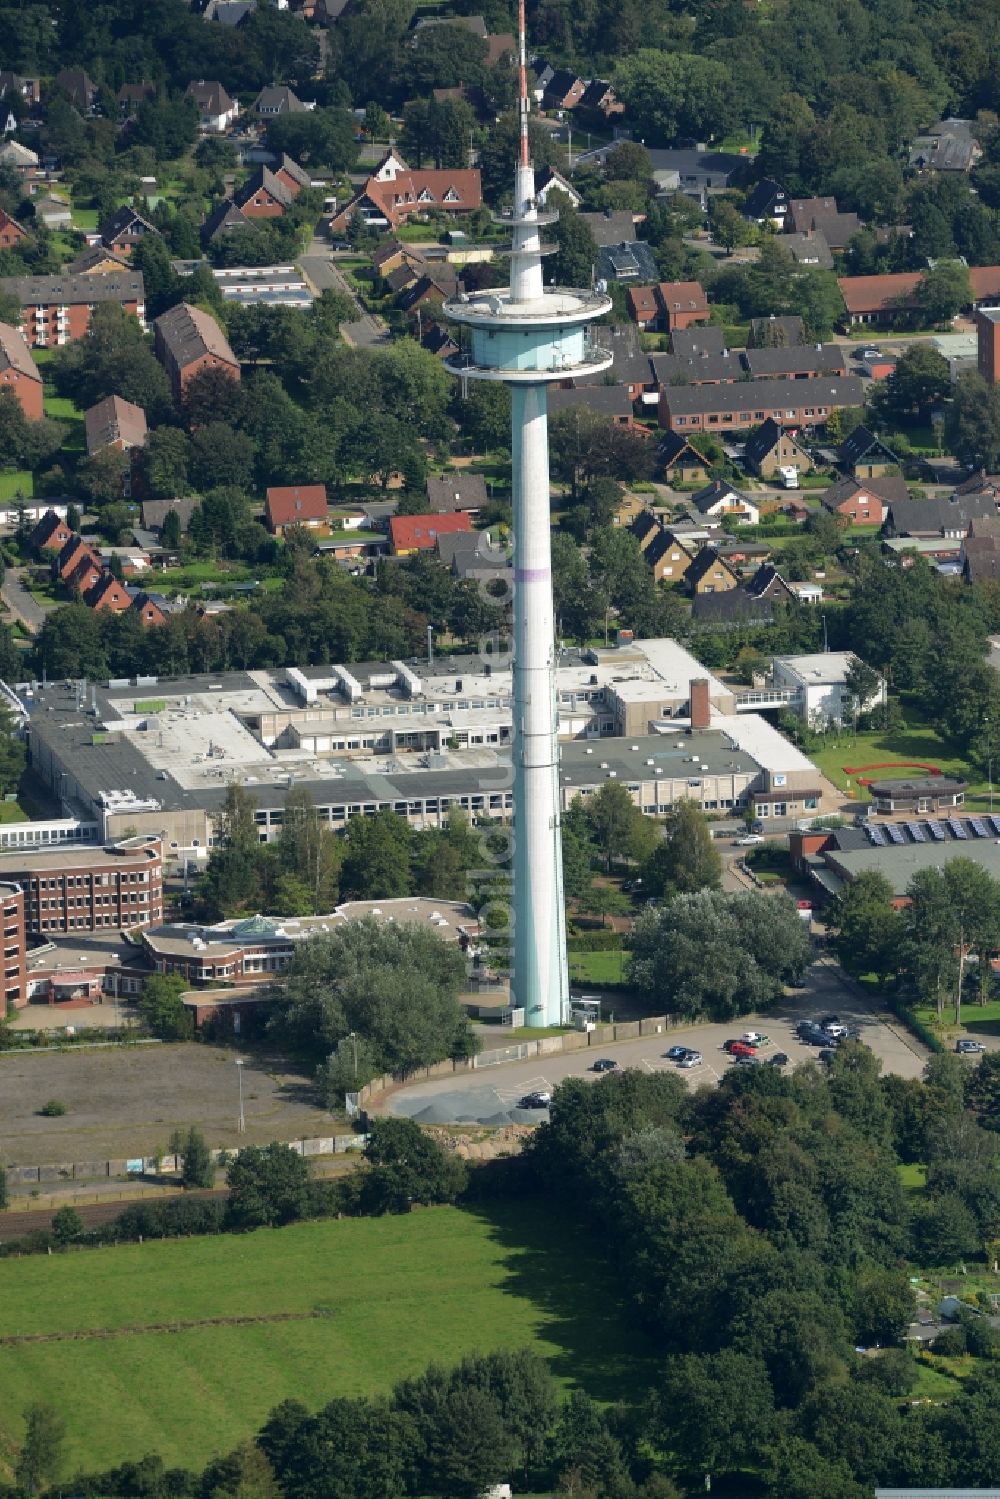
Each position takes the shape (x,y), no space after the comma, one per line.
(522,57)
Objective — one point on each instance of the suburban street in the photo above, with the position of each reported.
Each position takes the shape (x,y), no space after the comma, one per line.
(19,600)
(491,1094)
(323,274)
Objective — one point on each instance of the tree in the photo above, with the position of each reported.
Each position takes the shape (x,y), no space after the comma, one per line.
(197,1168)
(615,821)
(377,864)
(944,290)
(628,161)
(407,1166)
(317,138)
(670,94)
(67,1226)
(267,1186)
(920,379)
(868,929)
(244,1473)
(166,459)
(687,859)
(12,753)
(716,1411)
(972,422)
(575,260)
(38,1463)
(162,1008)
(729,227)
(113,358)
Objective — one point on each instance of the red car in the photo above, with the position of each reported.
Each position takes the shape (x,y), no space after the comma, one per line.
(742,1049)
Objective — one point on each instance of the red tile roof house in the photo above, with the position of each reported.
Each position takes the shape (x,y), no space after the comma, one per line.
(186,341)
(263,195)
(865,502)
(879,299)
(114,423)
(56,310)
(295,505)
(19,372)
(388,200)
(78,565)
(108,593)
(11,232)
(50,534)
(419,533)
(672,304)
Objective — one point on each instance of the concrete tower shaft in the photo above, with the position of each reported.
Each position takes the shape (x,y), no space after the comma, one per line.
(530,336)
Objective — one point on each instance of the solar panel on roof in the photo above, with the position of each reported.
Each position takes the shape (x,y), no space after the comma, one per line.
(979,827)
(996,822)
(936,831)
(916,832)
(895,834)
(957,828)
(876,836)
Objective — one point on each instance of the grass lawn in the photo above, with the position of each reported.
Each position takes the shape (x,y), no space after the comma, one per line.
(367,1302)
(597,967)
(933,1382)
(62,409)
(918,741)
(85,218)
(912,1176)
(16,479)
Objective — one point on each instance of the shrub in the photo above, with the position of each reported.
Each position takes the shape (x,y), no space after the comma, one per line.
(67,1225)
(54,1109)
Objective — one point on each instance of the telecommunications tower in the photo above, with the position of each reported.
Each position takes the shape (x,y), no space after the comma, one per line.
(530,336)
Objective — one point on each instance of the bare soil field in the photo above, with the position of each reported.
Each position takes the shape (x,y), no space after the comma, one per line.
(127,1102)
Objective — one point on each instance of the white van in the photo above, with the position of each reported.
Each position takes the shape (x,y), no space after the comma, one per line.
(789,476)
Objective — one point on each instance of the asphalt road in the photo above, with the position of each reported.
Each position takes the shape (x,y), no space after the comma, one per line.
(322,272)
(490,1095)
(19,601)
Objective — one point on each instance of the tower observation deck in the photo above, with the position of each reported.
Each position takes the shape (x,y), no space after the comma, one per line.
(530,336)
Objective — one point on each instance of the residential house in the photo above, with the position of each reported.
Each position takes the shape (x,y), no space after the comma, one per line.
(290,174)
(124,230)
(19,159)
(645,527)
(263,196)
(612,227)
(225,218)
(233,13)
(880,300)
(457,491)
(988,343)
(682,464)
(131,95)
(11,232)
(628,260)
(438,341)
(274,101)
(696,173)
(551,181)
(644,307)
(107,593)
(473,556)
(419,533)
(216,110)
(684,303)
(154,608)
(96,260)
(564,90)
(600,101)
(863,502)
(56,310)
(732,609)
(786,331)
(697,341)
(767,583)
(809,247)
(719,499)
(30,89)
(609,401)
(866,456)
(703,369)
(767,203)
(386,201)
(19,372)
(188,340)
(155,512)
(77,564)
(295,505)
(793,403)
(948,146)
(54,213)
(822,214)
(78,88)
(949,516)
(429,291)
(114,423)
(51,533)
(985,283)
(629,508)
(794,510)
(796,363)
(475,24)
(710,573)
(772,448)
(667,557)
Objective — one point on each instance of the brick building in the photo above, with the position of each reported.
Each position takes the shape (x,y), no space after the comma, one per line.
(56,309)
(188,340)
(19,372)
(793,403)
(83,888)
(988,350)
(15,987)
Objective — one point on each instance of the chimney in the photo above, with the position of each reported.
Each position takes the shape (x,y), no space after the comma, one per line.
(701,707)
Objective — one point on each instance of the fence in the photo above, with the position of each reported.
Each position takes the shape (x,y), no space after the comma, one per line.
(163,1165)
(520,1051)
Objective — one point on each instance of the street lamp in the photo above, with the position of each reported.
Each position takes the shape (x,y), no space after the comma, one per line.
(353,1037)
(989,759)
(242,1126)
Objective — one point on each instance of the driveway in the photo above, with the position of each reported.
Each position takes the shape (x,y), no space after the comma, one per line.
(490,1095)
(19,601)
(323,274)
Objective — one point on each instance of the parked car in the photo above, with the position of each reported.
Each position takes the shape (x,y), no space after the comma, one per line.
(692,1059)
(675,1053)
(836,1031)
(750,1061)
(754,1038)
(827,1054)
(535,1101)
(968,1047)
(604,1064)
(778,1060)
(741,1049)
(749,840)
(814,1037)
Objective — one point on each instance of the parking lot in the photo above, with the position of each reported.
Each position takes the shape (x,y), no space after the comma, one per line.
(490,1096)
